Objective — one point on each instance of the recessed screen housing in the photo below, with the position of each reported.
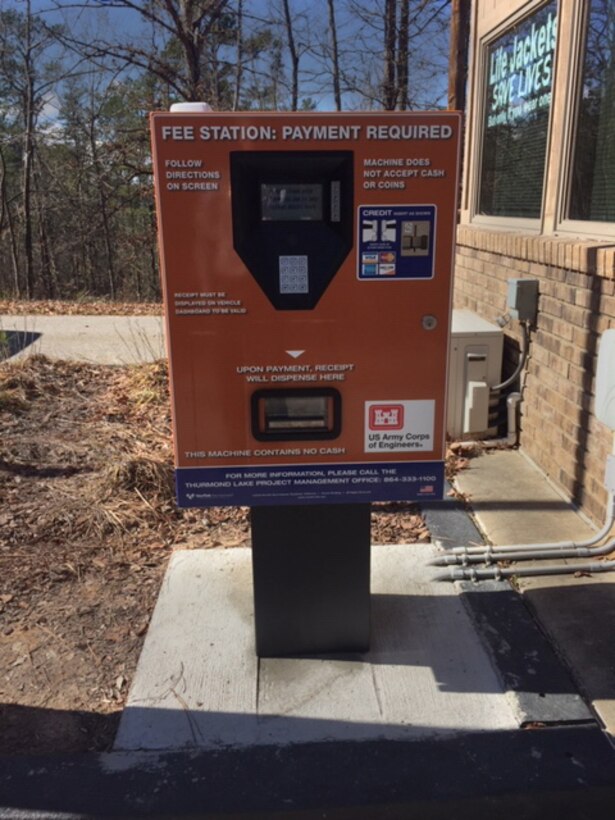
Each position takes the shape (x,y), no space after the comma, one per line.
(292,220)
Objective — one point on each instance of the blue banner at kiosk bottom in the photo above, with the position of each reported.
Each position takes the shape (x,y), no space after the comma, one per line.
(309,484)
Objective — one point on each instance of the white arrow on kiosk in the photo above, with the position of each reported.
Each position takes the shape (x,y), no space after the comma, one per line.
(295,353)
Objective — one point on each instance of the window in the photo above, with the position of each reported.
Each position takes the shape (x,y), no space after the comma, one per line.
(592,190)
(517,104)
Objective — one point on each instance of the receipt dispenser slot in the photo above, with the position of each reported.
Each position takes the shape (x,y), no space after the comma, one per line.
(295,415)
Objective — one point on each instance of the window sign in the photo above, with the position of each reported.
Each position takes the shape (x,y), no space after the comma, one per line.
(593,174)
(519,75)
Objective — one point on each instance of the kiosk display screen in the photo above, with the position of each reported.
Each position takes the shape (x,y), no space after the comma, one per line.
(281,202)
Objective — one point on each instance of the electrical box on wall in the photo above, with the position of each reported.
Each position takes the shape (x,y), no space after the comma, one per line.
(475,363)
(522,299)
(306,265)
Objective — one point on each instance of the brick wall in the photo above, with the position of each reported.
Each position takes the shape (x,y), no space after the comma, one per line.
(577,302)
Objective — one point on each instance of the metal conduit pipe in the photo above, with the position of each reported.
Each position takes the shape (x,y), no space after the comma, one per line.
(527,552)
(499,573)
(512,417)
(496,388)
(463,555)
(490,556)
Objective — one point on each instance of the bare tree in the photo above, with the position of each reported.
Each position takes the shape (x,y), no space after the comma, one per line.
(240,56)
(27,79)
(458,61)
(402,54)
(389,89)
(294,56)
(335,57)
(189,28)
(403,50)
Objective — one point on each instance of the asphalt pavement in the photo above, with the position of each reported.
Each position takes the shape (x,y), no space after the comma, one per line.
(95,339)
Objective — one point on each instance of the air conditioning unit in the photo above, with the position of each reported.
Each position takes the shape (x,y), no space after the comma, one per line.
(475,364)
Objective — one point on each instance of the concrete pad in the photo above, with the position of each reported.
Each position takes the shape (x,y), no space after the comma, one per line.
(95,339)
(197,676)
(199,685)
(515,504)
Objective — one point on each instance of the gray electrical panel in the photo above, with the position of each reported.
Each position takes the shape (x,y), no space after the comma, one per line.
(522,299)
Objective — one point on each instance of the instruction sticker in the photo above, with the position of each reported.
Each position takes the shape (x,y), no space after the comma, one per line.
(396,242)
(399,426)
(310,483)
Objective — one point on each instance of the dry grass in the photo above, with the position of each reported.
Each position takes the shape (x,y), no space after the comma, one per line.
(148,384)
(84,307)
(19,385)
(12,401)
(87,522)
(141,474)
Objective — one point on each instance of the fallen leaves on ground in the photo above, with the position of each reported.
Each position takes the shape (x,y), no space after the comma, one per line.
(87,523)
(87,307)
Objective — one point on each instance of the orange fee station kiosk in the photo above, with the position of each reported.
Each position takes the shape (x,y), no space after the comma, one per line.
(306,263)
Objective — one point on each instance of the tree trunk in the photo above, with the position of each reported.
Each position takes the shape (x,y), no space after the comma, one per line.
(389,95)
(239,57)
(402,55)
(3,202)
(48,268)
(28,149)
(294,58)
(337,93)
(458,57)
(153,259)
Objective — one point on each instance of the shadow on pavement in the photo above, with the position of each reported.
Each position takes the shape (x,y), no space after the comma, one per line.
(545,773)
(14,341)
(33,730)
(579,618)
(524,504)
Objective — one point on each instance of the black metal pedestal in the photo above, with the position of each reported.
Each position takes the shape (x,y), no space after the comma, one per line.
(311,578)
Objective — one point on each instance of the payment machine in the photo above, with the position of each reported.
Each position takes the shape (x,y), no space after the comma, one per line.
(306,264)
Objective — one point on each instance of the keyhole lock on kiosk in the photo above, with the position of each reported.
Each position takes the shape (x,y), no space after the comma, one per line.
(306,267)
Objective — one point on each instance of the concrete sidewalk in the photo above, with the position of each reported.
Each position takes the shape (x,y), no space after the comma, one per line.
(445,659)
(514,503)
(457,664)
(426,674)
(94,339)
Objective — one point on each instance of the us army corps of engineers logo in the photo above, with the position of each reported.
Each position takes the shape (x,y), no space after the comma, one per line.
(400,426)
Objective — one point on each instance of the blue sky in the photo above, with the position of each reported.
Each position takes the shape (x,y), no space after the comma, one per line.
(105,20)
